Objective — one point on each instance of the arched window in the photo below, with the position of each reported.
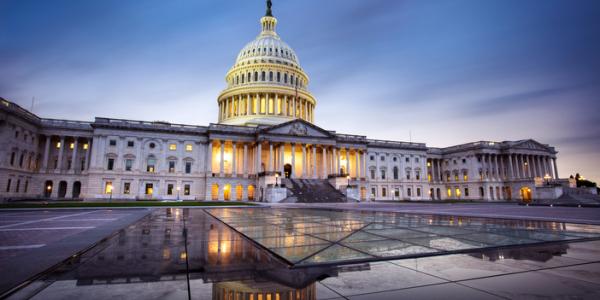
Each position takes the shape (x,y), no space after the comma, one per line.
(292,80)
(243,78)
(278,76)
(270,76)
(255,76)
(249,77)
(237,79)
(285,77)
(151,164)
(396,173)
(12,158)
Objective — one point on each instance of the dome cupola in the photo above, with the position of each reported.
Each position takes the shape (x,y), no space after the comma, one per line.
(266,85)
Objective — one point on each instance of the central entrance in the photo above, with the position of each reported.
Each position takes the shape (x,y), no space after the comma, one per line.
(287,170)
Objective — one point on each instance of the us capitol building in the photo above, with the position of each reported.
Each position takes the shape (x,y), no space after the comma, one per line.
(265,147)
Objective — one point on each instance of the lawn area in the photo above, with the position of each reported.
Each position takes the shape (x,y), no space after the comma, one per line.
(120,204)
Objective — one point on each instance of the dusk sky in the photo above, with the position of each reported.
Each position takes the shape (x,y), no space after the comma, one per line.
(449,72)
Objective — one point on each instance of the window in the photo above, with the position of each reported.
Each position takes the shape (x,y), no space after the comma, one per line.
(416,159)
(464,162)
(466,192)
(397,192)
(449,192)
(149,188)
(111,164)
(8,185)
(26,186)
(108,187)
(455,177)
(395,159)
(189,148)
(481,194)
(57,145)
(382,158)
(408,175)
(128,164)
(12,158)
(465,177)
(270,76)
(151,165)
(152,145)
(395,172)
(83,164)
(409,192)
(383,192)
(457,191)
(71,146)
(262,76)
(127,188)
(382,174)
(172,147)
(278,75)
(372,174)
(86,146)
(373,192)
(407,159)
(130,144)
(418,192)
(172,166)
(169,189)
(372,157)
(21,159)
(186,190)
(112,142)
(188,167)
(16,134)
(418,175)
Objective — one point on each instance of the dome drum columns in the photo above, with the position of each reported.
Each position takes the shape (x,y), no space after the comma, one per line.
(241,109)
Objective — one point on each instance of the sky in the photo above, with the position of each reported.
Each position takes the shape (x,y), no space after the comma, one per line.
(438,72)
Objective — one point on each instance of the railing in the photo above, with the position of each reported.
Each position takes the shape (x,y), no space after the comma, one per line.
(148,124)
(67,124)
(395,144)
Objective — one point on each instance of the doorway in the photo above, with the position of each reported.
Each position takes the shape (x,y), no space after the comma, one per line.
(48,189)
(287,170)
(76,189)
(526,194)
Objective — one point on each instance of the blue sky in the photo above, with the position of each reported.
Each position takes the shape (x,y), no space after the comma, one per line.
(449,72)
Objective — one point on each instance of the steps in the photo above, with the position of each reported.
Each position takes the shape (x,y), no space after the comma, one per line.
(313,191)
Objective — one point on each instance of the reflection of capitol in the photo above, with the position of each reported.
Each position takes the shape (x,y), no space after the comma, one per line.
(153,251)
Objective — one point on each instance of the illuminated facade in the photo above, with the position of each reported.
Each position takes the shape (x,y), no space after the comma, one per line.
(266,132)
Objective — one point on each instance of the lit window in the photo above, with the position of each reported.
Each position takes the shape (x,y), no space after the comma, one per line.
(409,192)
(383,192)
(189,148)
(169,189)
(85,146)
(172,166)
(186,190)
(449,192)
(457,192)
(149,188)
(108,187)
(173,147)
(57,144)
(72,146)
(151,166)
(465,177)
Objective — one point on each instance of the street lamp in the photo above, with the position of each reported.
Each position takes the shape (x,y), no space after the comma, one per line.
(348,178)
(276,179)
(110,191)
(547,178)
(178,189)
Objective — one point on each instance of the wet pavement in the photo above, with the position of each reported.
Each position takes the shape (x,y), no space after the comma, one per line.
(189,254)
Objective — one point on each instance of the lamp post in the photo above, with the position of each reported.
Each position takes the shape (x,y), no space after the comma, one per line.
(276,179)
(110,191)
(178,189)
(547,178)
(348,181)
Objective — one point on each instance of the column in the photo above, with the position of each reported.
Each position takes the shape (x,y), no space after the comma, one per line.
(281,159)
(271,157)
(222,159)
(293,160)
(209,156)
(496,168)
(377,172)
(325,163)
(234,159)
(544,165)
(314,160)
(74,154)
(46,152)
(294,108)
(60,152)
(338,161)
(356,163)
(511,172)
(259,158)
(88,150)
(284,105)
(257,106)
(245,163)
(555,168)
(502,168)
(347,153)
(304,161)
(539,166)
(364,164)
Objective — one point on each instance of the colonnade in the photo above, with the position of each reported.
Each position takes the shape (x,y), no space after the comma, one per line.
(498,167)
(73,144)
(269,104)
(296,160)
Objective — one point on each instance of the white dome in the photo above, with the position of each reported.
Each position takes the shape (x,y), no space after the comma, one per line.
(266,47)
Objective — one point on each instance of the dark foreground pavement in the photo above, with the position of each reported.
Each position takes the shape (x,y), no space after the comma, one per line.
(32,241)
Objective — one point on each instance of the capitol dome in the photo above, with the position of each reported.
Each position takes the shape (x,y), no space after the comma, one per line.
(266,85)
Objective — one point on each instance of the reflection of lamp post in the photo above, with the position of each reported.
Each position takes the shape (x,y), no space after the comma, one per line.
(178,189)
(547,178)
(276,180)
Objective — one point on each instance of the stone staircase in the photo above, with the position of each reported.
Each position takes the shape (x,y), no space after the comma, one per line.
(312,191)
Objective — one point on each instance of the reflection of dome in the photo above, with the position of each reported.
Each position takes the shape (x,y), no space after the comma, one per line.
(266,86)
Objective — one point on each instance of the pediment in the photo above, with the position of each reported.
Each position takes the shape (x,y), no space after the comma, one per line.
(298,128)
(531,145)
